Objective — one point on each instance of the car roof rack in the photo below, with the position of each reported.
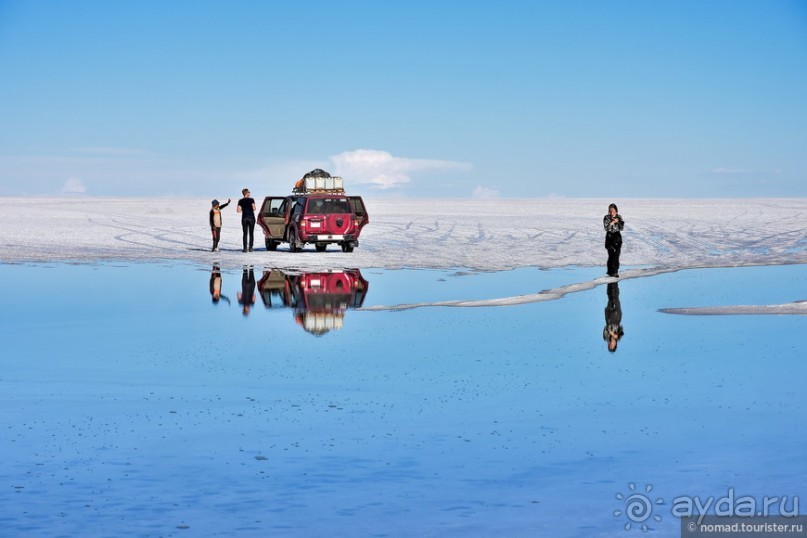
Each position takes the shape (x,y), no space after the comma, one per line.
(303,191)
(319,185)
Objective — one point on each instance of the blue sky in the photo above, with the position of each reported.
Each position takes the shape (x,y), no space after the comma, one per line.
(415,98)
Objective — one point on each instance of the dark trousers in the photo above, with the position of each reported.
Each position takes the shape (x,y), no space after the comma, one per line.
(613,260)
(247,286)
(248,225)
(216,236)
(613,244)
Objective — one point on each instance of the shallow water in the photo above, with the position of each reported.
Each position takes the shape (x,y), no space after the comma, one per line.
(133,404)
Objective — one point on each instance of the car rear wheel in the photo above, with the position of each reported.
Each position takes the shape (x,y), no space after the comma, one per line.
(347,247)
(271,245)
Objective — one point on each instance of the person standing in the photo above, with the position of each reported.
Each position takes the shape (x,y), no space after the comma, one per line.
(613,224)
(215,222)
(246,206)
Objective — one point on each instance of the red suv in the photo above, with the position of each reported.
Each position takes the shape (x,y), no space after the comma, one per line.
(320,219)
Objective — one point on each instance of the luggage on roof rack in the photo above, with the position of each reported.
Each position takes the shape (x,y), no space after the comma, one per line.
(317,172)
(319,181)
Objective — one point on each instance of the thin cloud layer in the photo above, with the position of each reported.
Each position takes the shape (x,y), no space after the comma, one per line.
(385,171)
(484,193)
(725,170)
(74,186)
(111,151)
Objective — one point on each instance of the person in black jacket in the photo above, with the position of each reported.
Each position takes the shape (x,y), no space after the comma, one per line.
(246,206)
(613,224)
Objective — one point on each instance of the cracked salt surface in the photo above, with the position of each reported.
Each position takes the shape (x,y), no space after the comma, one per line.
(661,235)
(477,234)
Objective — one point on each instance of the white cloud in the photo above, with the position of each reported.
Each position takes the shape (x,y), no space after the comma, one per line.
(73,186)
(485,192)
(384,170)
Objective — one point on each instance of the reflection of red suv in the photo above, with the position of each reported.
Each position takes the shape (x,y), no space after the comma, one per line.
(319,299)
(320,219)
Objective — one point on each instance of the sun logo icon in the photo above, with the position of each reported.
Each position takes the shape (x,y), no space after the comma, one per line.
(638,507)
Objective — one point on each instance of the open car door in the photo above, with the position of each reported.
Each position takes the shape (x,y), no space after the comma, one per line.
(357,205)
(273,219)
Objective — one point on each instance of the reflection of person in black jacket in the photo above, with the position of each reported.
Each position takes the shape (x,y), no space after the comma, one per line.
(613,331)
(613,224)
(246,297)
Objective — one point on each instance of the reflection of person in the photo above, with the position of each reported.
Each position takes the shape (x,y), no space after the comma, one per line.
(215,285)
(215,222)
(246,206)
(613,224)
(613,331)
(246,297)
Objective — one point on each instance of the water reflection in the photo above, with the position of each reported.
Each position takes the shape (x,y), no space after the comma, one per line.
(613,332)
(215,285)
(319,299)
(246,297)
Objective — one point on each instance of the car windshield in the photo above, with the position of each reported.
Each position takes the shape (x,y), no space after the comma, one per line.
(326,206)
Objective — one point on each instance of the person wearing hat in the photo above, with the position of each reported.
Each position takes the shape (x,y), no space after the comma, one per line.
(215,222)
